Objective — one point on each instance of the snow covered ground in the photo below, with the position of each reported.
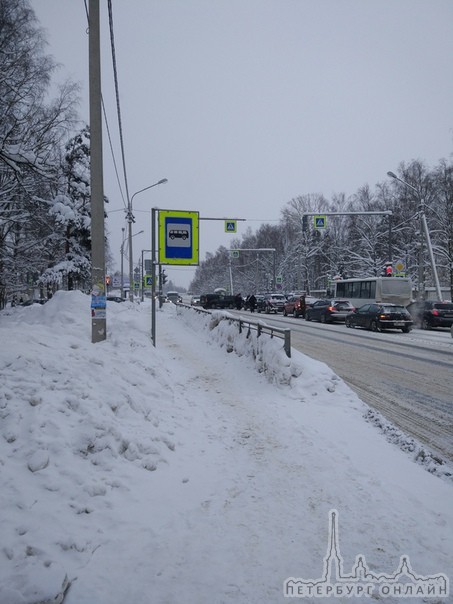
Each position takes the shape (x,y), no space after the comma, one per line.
(203,471)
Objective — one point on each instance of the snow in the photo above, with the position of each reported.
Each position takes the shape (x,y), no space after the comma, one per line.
(202,470)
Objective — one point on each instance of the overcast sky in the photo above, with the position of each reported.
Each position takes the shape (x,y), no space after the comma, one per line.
(245,104)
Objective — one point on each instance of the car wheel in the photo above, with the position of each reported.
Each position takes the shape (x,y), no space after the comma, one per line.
(425,324)
(348,324)
(374,326)
(285,314)
(323,319)
(307,317)
(405,329)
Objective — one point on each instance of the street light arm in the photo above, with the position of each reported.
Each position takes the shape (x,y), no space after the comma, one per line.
(130,220)
(424,227)
(160,182)
(395,177)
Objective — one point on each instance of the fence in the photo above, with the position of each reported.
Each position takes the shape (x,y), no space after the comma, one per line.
(258,326)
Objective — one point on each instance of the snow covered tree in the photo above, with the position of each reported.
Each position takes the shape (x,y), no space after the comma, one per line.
(31,135)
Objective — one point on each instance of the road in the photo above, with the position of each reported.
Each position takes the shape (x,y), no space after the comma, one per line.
(408,378)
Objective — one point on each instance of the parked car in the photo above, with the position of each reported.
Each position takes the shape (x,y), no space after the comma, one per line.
(115,299)
(31,301)
(213,301)
(271,303)
(436,314)
(378,317)
(328,311)
(294,305)
(259,303)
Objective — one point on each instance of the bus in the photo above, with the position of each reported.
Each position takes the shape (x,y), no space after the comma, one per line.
(366,290)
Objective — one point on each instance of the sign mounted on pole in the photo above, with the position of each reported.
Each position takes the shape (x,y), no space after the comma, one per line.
(178,237)
(320,222)
(230,226)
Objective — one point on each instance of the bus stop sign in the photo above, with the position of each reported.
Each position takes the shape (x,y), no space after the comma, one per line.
(178,237)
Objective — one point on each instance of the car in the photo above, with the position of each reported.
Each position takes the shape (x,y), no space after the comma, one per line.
(378,317)
(174,297)
(329,311)
(115,299)
(195,301)
(271,303)
(295,305)
(31,301)
(436,314)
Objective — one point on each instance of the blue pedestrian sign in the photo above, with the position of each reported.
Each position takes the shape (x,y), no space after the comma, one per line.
(320,222)
(230,226)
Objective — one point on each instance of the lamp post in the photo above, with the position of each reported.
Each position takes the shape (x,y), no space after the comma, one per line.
(423,229)
(122,263)
(131,282)
(130,220)
(143,274)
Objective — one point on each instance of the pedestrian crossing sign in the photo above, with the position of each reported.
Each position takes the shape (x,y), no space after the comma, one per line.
(230,226)
(320,222)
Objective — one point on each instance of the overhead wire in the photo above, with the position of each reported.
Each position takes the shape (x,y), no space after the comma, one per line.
(118,107)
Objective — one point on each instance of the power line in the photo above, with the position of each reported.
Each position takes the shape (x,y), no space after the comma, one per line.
(118,108)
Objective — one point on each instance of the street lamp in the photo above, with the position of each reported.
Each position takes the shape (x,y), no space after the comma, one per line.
(131,283)
(130,220)
(423,229)
(122,263)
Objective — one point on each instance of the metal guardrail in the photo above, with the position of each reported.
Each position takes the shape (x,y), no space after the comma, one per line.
(259,326)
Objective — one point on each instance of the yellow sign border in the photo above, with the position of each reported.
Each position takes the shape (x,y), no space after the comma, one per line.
(194,217)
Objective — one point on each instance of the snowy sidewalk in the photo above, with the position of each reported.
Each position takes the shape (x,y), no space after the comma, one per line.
(181,474)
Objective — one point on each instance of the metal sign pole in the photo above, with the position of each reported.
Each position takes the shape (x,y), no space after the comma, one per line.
(153,276)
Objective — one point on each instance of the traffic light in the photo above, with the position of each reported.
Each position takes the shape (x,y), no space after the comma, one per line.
(164,278)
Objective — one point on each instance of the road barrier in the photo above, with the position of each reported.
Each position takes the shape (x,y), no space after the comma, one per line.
(259,326)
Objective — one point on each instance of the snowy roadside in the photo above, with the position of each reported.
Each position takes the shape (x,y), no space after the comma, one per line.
(182,474)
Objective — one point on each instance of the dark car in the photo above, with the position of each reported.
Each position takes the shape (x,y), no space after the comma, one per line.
(437,314)
(115,299)
(328,311)
(33,301)
(174,297)
(297,305)
(378,317)
(271,303)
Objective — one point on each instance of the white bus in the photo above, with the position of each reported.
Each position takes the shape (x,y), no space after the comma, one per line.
(395,290)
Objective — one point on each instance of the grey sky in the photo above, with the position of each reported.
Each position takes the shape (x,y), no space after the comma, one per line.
(246,104)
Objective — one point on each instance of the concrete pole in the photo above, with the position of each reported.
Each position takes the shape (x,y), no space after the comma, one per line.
(131,260)
(98,295)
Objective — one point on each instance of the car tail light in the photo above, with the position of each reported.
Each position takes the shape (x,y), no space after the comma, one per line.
(435,312)
(331,308)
